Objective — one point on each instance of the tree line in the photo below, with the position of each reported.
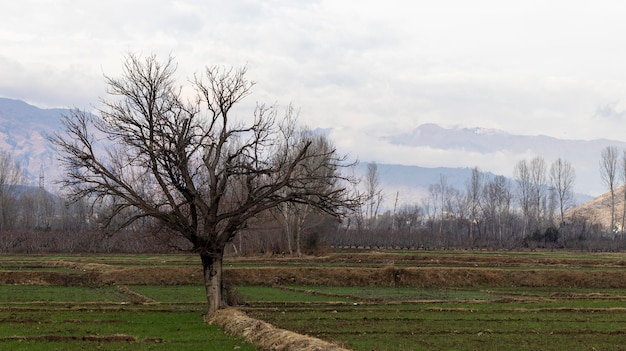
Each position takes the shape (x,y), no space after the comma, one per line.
(492,212)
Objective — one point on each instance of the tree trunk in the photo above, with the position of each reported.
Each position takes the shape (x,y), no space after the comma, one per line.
(212,270)
(298,230)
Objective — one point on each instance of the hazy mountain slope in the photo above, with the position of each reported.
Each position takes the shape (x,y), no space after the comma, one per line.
(583,154)
(598,209)
(484,140)
(410,183)
(23,132)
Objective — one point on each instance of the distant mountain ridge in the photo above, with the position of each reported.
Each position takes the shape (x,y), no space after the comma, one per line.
(23,132)
(410,183)
(583,154)
(484,140)
(24,129)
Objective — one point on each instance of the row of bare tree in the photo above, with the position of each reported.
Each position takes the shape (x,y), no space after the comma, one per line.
(491,212)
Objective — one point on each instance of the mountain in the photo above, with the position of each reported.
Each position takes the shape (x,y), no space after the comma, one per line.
(24,129)
(482,140)
(410,183)
(598,209)
(23,132)
(486,148)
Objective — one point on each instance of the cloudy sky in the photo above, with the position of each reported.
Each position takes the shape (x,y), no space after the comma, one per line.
(364,68)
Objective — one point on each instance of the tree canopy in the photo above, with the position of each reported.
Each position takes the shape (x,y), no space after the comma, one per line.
(189,164)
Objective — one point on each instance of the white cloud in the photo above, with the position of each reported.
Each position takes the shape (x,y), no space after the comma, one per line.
(366,68)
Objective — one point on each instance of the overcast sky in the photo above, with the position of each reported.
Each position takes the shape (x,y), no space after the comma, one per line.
(364,68)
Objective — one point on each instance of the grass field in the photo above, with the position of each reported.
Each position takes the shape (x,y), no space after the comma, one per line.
(360,300)
(449,319)
(90,328)
(36,317)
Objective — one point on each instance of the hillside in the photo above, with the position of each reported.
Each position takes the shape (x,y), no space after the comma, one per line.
(598,210)
(23,132)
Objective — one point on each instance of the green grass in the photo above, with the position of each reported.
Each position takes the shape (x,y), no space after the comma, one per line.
(90,318)
(175,293)
(467,319)
(360,318)
(390,294)
(150,330)
(269,294)
(32,293)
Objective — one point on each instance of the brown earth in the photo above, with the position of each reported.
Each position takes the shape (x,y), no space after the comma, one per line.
(598,210)
(379,269)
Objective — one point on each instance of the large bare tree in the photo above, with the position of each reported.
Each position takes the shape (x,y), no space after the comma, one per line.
(187,163)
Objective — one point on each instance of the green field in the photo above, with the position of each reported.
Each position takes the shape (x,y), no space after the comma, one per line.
(35,317)
(459,319)
(377,301)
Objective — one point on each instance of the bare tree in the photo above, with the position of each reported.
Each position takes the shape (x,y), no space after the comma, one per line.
(320,168)
(562,176)
(623,174)
(608,172)
(11,176)
(457,210)
(497,197)
(373,192)
(538,191)
(187,163)
(408,217)
(444,195)
(531,185)
(474,190)
(523,179)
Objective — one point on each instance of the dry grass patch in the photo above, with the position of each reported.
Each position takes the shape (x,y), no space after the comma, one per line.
(265,336)
(173,275)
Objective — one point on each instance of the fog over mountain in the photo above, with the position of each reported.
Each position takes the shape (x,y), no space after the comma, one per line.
(489,149)
(23,131)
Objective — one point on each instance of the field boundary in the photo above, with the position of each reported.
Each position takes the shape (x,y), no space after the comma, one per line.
(386,276)
(266,336)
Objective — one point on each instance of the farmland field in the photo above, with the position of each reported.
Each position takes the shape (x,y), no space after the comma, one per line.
(361,300)
(58,303)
